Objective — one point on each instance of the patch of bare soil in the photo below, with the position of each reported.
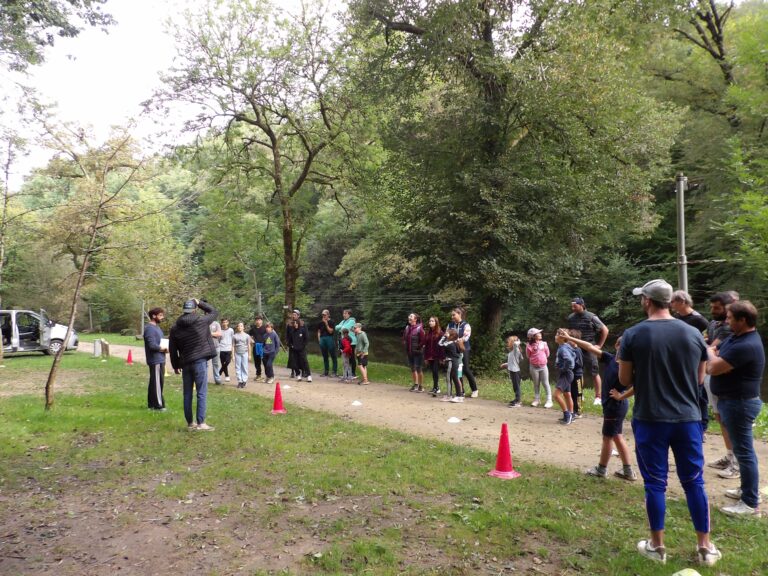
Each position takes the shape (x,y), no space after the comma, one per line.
(33,382)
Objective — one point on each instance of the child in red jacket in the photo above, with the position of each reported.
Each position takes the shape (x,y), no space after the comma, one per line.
(346,356)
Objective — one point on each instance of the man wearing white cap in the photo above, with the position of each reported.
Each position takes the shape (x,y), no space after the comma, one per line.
(662,362)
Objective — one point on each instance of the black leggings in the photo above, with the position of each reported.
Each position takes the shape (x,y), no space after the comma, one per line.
(452,376)
(353,361)
(226,358)
(468,373)
(435,366)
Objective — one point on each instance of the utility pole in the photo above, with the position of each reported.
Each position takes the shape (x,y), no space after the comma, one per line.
(681,185)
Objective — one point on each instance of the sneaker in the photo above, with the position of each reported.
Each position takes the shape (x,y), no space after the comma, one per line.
(217,382)
(628,476)
(722,464)
(614,452)
(324,374)
(435,391)
(567,420)
(658,554)
(446,398)
(309,378)
(475,394)
(739,509)
(515,404)
(535,403)
(578,415)
(226,378)
(548,404)
(598,402)
(457,399)
(205,427)
(734,493)
(299,379)
(732,472)
(595,471)
(192,426)
(414,388)
(270,380)
(709,556)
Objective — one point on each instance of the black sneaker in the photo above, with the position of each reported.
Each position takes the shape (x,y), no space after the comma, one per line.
(435,391)
(515,404)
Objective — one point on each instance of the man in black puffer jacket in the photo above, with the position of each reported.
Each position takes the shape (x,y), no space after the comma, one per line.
(191,346)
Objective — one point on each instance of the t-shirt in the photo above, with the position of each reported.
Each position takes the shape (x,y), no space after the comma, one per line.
(665,356)
(718,330)
(587,323)
(225,342)
(566,357)
(610,381)
(362,343)
(322,330)
(746,354)
(257,333)
(241,341)
(513,359)
(696,320)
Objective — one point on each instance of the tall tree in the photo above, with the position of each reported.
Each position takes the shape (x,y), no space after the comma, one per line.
(523,142)
(273,87)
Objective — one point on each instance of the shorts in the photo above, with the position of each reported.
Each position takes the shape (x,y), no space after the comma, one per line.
(564,380)
(362,360)
(614,414)
(712,397)
(416,361)
(590,361)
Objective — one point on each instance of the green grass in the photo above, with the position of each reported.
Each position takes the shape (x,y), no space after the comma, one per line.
(402,495)
(111,338)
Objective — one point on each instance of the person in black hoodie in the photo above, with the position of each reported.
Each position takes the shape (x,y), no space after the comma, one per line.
(191,346)
(298,338)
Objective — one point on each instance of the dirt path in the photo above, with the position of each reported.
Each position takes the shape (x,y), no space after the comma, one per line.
(535,436)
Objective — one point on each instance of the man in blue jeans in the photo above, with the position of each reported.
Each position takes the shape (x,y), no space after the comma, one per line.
(736,367)
(662,363)
(191,346)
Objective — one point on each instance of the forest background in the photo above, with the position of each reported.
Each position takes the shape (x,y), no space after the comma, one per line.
(398,156)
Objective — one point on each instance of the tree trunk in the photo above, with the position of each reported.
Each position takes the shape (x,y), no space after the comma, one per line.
(291,273)
(73,310)
(490,316)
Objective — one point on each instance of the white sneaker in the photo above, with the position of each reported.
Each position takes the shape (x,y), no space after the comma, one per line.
(597,402)
(709,556)
(730,473)
(548,404)
(474,394)
(457,399)
(205,427)
(309,378)
(739,509)
(445,398)
(270,380)
(535,403)
(734,493)
(226,379)
(299,379)
(658,554)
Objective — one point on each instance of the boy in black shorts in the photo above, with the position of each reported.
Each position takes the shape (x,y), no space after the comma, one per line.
(614,411)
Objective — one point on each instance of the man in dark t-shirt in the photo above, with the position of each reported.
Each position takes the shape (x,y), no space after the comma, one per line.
(662,360)
(682,307)
(593,331)
(736,367)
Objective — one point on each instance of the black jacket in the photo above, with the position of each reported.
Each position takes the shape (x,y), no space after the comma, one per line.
(190,338)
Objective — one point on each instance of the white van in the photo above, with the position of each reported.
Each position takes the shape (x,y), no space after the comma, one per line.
(27,331)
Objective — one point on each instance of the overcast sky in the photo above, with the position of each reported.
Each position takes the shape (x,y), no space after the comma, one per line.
(99,79)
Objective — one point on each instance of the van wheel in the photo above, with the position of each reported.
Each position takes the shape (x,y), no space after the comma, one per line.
(54,347)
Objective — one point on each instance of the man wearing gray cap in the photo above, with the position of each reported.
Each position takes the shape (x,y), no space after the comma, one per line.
(191,346)
(662,362)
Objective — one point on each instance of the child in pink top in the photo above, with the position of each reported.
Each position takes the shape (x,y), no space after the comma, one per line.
(537,353)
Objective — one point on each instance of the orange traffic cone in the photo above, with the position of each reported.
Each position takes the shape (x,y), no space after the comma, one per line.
(129,360)
(504,467)
(277,407)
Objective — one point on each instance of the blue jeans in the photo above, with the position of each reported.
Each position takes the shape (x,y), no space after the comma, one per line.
(241,366)
(738,416)
(652,443)
(196,375)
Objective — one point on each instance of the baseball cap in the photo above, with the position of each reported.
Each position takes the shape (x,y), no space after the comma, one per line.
(296,311)
(659,290)
(580,301)
(189,306)
(532,332)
